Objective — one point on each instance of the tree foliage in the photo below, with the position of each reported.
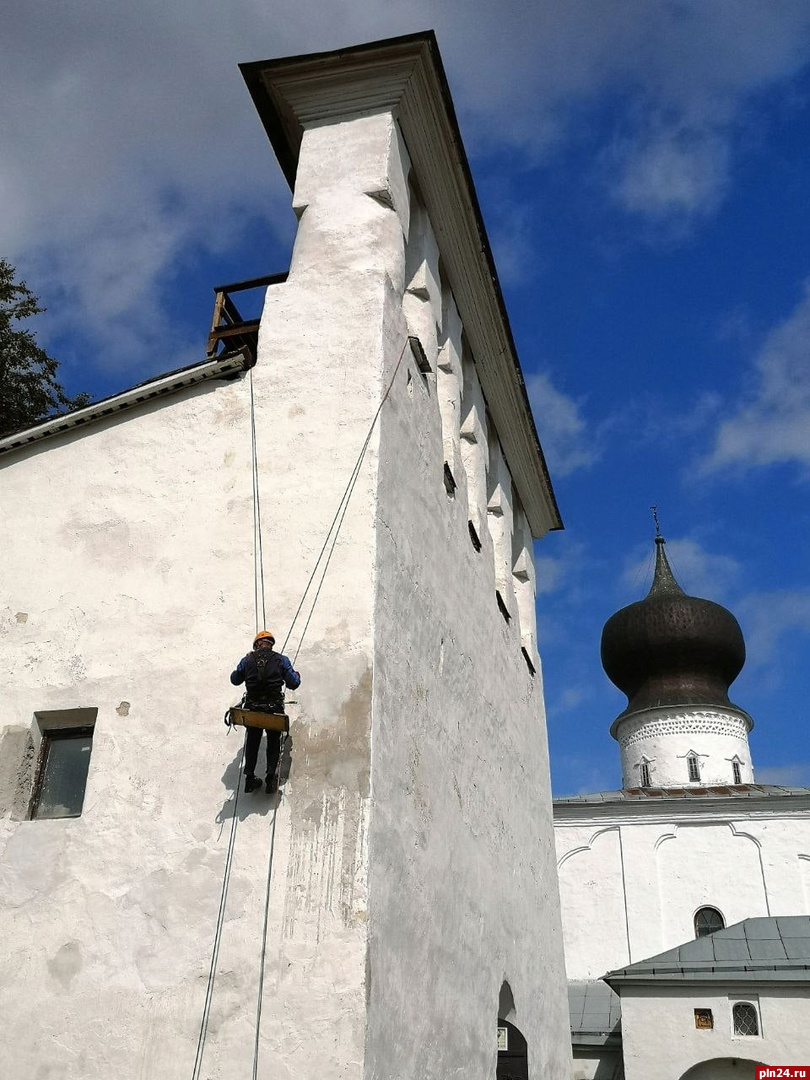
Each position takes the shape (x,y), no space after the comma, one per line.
(29,389)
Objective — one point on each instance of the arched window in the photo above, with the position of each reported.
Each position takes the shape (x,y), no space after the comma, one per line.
(744,1015)
(707,920)
(693,766)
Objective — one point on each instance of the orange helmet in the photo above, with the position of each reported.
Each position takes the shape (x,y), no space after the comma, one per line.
(264,635)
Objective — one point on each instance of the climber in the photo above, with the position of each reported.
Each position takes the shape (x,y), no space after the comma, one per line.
(265,673)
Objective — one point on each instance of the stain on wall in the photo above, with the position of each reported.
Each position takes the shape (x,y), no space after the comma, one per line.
(16,771)
(330,815)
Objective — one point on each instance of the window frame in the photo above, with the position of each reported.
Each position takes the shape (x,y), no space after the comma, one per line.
(693,768)
(699,911)
(753,1005)
(51,727)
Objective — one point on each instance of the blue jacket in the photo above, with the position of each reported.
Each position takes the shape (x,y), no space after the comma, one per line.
(247,667)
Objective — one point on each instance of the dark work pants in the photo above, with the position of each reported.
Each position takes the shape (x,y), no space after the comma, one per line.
(253,737)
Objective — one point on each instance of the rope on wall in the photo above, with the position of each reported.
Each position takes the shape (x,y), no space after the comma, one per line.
(337,520)
(327,550)
(209,993)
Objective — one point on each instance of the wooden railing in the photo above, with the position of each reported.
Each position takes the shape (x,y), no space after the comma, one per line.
(228,329)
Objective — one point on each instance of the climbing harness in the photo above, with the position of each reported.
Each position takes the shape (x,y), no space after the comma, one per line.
(244,717)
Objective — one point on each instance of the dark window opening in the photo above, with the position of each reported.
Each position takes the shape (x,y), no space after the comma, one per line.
(745,1019)
(735,768)
(422,362)
(61,776)
(528,659)
(693,767)
(707,920)
(476,543)
(449,481)
(644,771)
(504,610)
(513,1058)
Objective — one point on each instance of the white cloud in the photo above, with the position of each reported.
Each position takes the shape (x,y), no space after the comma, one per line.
(568,442)
(129,142)
(671,174)
(771,424)
(768,616)
(698,571)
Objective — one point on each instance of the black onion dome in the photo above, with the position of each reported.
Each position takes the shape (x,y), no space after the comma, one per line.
(670,648)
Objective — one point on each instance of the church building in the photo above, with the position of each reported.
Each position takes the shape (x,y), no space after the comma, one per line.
(359,467)
(688,890)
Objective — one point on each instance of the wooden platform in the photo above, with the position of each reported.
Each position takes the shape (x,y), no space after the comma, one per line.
(268,721)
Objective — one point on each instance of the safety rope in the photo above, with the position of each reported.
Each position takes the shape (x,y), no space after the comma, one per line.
(212,973)
(258,553)
(264,945)
(259,605)
(340,513)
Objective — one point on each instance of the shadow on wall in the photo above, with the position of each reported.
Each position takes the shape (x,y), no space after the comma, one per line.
(257,802)
(723,1069)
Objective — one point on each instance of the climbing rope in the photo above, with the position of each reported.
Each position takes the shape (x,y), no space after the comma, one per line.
(337,520)
(209,993)
(264,945)
(258,553)
(327,550)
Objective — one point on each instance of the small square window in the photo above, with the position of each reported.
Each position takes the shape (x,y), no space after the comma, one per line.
(704,1019)
(62,768)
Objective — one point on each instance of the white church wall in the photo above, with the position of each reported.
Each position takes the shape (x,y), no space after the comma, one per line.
(130,560)
(593,900)
(706,864)
(667,737)
(131,591)
(597,1063)
(631,888)
(463,890)
(661,1042)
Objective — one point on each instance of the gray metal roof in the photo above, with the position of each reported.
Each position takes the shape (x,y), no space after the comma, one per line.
(737,791)
(768,949)
(227,365)
(595,1012)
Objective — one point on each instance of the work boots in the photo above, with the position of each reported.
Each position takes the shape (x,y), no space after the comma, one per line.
(251,783)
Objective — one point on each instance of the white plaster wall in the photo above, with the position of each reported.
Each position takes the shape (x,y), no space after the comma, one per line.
(678,1045)
(462,883)
(130,555)
(597,1063)
(129,578)
(666,736)
(630,890)
(592,893)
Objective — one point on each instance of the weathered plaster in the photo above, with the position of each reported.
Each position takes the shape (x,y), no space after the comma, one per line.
(418,773)
(679,1046)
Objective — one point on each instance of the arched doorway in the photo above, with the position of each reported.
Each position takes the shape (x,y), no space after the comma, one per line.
(723,1069)
(513,1062)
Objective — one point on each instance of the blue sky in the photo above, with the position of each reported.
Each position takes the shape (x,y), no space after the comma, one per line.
(643,170)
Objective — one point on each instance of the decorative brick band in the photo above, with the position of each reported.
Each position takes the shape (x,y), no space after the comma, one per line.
(704,722)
